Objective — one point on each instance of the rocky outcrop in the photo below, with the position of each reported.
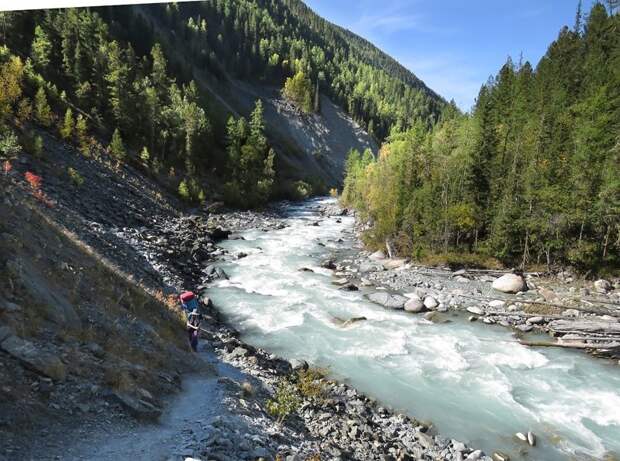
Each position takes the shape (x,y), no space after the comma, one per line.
(37,359)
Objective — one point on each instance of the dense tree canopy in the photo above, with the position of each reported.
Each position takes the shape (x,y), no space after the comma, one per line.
(531,176)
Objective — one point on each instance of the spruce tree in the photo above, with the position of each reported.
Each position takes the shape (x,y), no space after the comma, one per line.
(42,110)
(116,147)
(66,130)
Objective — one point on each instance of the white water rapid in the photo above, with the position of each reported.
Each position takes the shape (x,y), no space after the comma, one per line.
(469,379)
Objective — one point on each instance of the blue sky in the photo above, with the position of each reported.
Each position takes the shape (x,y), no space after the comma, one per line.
(454,45)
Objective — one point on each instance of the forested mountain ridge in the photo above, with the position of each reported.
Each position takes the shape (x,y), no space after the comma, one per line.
(158,83)
(530,177)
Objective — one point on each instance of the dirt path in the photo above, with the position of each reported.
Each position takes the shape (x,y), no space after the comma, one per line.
(184,423)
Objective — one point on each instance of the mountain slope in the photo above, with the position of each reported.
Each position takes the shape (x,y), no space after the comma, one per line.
(165,80)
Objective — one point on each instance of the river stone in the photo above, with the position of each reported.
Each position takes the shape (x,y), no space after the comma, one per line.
(571,313)
(430,302)
(531,438)
(535,320)
(430,316)
(521,436)
(388,300)
(475,310)
(414,305)
(549,295)
(474,455)
(461,279)
(496,303)
(394,263)
(499,456)
(377,255)
(509,283)
(602,286)
(41,361)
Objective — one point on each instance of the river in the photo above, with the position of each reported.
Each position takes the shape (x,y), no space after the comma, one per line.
(471,380)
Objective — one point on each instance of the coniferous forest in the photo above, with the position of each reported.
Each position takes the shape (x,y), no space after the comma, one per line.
(132,78)
(530,177)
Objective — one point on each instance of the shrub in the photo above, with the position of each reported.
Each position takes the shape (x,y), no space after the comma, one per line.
(9,145)
(184,191)
(76,178)
(145,156)
(285,401)
(310,383)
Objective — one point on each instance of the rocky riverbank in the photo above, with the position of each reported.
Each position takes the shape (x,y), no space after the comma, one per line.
(340,424)
(574,312)
(113,259)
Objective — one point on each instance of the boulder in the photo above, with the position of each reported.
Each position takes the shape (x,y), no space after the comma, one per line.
(366,267)
(500,456)
(602,286)
(138,408)
(349,287)
(394,263)
(329,264)
(415,305)
(475,310)
(474,455)
(218,233)
(430,302)
(549,295)
(340,281)
(377,255)
(388,300)
(509,283)
(497,303)
(535,320)
(531,438)
(219,272)
(36,359)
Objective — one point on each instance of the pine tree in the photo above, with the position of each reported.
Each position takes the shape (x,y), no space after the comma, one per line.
(41,48)
(116,147)
(42,110)
(66,130)
(81,131)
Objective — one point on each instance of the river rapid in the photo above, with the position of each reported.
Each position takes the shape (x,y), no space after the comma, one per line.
(471,380)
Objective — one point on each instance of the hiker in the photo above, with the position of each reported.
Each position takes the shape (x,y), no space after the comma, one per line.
(189,302)
(193,328)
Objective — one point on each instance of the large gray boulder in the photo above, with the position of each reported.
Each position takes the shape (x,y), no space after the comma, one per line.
(430,302)
(602,286)
(32,357)
(377,255)
(388,300)
(415,305)
(510,283)
(394,263)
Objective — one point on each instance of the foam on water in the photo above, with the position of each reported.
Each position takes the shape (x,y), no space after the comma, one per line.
(473,381)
